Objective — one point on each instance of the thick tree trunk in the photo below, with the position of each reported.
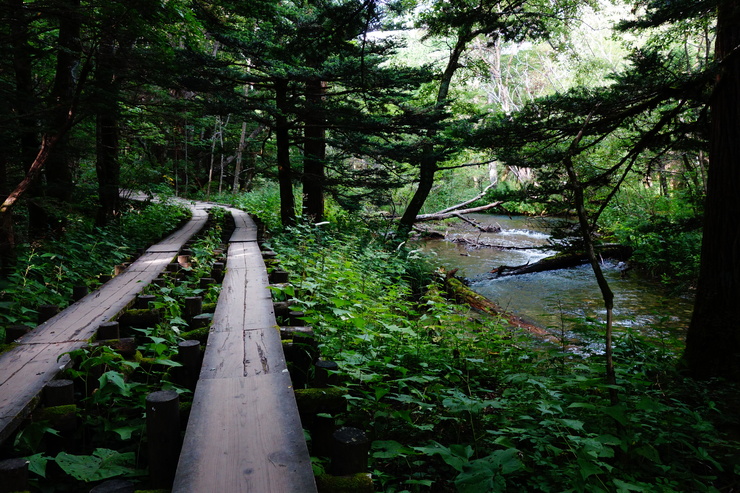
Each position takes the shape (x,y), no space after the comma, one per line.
(314,152)
(58,169)
(282,140)
(713,338)
(107,165)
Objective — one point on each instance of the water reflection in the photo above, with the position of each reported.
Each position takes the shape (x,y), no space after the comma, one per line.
(566,299)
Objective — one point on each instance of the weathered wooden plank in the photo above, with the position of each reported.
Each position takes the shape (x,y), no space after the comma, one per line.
(248,439)
(23,376)
(26,368)
(244,301)
(245,353)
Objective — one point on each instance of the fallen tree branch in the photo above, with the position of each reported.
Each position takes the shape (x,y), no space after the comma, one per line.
(563,261)
(467,202)
(477,225)
(437,216)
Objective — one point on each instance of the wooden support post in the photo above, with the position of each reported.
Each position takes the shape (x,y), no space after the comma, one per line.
(217,271)
(184,261)
(163,435)
(15,332)
(45,312)
(160,281)
(13,475)
(103,278)
(59,392)
(79,292)
(189,355)
(301,354)
(118,269)
(201,320)
(294,317)
(204,282)
(278,276)
(323,373)
(349,452)
(108,330)
(143,300)
(193,307)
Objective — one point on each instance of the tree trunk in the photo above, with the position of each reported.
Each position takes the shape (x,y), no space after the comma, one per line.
(314,152)
(713,338)
(282,141)
(58,168)
(18,146)
(429,163)
(107,165)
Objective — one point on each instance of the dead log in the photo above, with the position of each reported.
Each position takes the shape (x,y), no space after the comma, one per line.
(478,226)
(463,294)
(438,216)
(564,260)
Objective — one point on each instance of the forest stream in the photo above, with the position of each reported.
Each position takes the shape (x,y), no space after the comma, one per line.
(565,299)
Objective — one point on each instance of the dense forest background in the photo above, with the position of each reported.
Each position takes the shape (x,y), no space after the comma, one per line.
(623,115)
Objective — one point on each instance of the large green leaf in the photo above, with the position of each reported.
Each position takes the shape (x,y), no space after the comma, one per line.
(103,464)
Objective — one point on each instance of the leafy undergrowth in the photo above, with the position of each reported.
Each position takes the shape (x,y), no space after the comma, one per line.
(72,447)
(45,273)
(456,402)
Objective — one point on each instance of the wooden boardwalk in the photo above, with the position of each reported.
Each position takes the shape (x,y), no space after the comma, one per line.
(244,433)
(28,367)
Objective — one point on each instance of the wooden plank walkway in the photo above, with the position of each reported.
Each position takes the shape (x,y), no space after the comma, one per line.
(28,367)
(244,433)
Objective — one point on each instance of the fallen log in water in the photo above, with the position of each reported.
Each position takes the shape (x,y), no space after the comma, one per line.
(463,294)
(564,260)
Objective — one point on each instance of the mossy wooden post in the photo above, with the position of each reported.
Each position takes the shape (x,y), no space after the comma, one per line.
(349,451)
(45,312)
(109,330)
(163,435)
(78,292)
(278,276)
(189,355)
(323,373)
(200,321)
(193,307)
(142,301)
(301,354)
(217,271)
(59,392)
(13,475)
(294,317)
(204,282)
(15,332)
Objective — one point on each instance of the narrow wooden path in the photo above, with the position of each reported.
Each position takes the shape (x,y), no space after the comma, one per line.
(244,433)
(28,367)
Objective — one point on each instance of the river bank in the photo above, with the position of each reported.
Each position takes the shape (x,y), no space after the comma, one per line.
(561,301)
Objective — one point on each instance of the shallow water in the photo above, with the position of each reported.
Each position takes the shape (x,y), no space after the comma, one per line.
(565,299)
